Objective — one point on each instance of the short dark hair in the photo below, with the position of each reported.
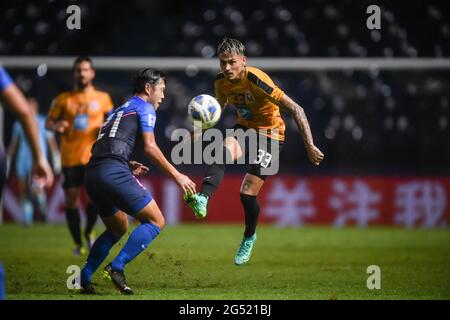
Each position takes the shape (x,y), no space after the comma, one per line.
(81,59)
(144,76)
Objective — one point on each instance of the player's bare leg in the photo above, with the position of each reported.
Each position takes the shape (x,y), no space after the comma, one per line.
(251,185)
(117,224)
(233,147)
(151,214)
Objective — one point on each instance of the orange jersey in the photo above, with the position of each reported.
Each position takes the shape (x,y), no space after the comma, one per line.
(255,98)
(85,112)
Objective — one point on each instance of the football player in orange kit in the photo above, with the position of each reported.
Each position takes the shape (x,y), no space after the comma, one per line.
(78,116)
(257,100)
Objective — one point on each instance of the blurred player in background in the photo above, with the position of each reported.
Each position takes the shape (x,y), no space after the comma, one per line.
(19,157)
(111,182)
(78,116)
(257,100)
(15,100)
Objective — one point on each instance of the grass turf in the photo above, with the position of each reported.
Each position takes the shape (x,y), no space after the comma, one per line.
(196,262)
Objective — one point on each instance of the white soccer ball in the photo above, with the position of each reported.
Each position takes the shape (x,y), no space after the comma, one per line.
(204,111)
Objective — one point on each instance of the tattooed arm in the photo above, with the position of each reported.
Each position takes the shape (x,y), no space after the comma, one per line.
(314,154)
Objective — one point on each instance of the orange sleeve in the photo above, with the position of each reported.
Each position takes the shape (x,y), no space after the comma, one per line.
(108,104)
(57,107)
(263,85)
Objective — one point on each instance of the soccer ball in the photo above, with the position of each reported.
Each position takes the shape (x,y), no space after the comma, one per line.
(204,111)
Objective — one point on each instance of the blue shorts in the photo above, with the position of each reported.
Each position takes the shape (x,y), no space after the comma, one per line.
(111,185)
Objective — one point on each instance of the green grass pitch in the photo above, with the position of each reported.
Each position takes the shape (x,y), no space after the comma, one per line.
(195,261)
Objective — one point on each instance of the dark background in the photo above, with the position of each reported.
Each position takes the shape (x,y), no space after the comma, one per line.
(366,121)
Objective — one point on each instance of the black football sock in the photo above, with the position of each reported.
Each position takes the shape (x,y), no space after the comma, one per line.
(214,175)
(73,220)
(91,212)
(251,210)
(213,178)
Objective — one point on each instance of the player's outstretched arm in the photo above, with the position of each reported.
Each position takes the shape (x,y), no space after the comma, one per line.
(19,106)
(314,154)
(56,125)
(153,152)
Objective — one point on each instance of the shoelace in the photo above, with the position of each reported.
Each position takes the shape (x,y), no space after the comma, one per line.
(193,201)
(245,247)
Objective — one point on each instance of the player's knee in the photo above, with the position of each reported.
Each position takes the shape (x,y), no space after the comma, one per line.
(156,219)
(160,222)
(71,200)
(72,204)
(251,185)
(248,189)
(232,149)
(120,231)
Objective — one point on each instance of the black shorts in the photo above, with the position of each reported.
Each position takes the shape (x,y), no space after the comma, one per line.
(262,155)
(73,177)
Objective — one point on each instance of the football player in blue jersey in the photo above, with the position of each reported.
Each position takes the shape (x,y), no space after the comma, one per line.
(111,183)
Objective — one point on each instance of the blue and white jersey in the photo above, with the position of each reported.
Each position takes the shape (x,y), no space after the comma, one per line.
(5,79)
(24,157)
(122,129)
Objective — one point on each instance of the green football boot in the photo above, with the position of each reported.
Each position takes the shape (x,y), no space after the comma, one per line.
(245,250)
(197,202)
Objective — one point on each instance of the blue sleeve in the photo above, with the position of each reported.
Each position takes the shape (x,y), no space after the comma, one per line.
(5,79)
(42,130)
(17,130)
(147,117)
(109,113)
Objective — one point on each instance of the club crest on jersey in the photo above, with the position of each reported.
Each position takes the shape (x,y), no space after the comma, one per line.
(249,97)
(81,122)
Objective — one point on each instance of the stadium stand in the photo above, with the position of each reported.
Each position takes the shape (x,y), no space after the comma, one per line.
(366,121)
